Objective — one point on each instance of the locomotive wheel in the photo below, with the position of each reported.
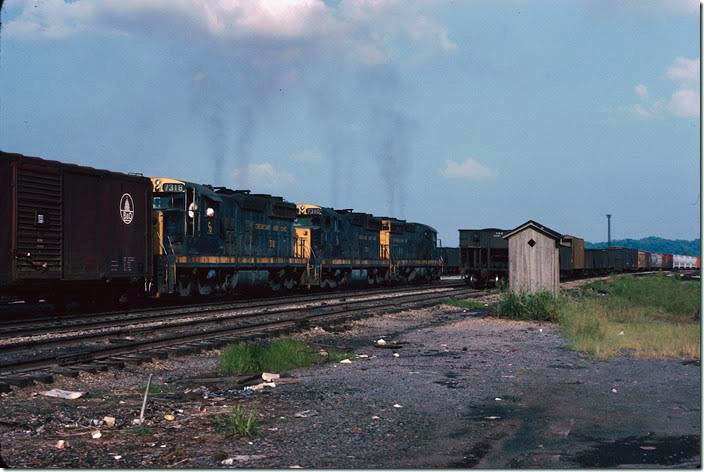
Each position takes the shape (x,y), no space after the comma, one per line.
(184,289)
(289,283)
(275,285)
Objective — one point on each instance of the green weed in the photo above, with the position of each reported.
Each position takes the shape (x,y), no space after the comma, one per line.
(540,306)
(467,304)
(281,355)
(240,422)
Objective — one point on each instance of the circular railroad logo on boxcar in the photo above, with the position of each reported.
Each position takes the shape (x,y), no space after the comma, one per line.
(126,208)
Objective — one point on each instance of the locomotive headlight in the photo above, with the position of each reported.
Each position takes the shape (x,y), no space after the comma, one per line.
(192,210)
(210,212)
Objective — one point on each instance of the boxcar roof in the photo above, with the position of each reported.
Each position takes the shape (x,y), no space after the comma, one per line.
(49,163)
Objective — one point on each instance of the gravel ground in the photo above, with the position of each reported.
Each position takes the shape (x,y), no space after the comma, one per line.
(464,391)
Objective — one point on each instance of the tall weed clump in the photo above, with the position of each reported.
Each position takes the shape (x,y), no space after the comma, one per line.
(281,355)
(540,306)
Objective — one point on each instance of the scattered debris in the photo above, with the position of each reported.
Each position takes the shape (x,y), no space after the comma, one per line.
(61,444)
(65,394)
(169,417)
(396,354)
(260,386)
(144,402)
(241,458)
(396,405)
(96,434)
(306,414)
(492,417)
(498,399)
(381,342)
(648,448)
(268,377)
(362,356)
(614,390)
(345,361)
(375,417)
(109,421)
(621,333)
(117,458)
(323,353)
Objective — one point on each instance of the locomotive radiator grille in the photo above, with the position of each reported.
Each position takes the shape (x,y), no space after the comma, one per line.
(39,224)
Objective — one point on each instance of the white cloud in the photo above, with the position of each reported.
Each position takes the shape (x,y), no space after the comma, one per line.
(641,91)
(308,156)
(684,101)
(469,169)
(364,29)
(264,176)
(684,70)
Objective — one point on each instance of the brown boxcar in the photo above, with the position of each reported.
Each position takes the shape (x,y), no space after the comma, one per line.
(667,261)
(72,229)
(643,260)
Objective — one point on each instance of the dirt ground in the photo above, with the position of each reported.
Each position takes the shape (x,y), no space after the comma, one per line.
(465,391)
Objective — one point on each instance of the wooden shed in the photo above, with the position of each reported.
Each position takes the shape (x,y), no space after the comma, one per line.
(533,258)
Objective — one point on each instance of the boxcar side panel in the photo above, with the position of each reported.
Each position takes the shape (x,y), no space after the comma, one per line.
(83,228)
(126,224)
(6,190)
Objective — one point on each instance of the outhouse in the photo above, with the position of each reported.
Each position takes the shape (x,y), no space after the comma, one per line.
(533,258)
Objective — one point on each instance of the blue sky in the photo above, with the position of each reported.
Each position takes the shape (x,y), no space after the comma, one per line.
(457,114)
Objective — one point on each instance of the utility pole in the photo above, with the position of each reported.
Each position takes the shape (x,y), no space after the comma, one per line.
(608,219)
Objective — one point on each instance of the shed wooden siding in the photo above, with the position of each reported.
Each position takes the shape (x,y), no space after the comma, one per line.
(532,269)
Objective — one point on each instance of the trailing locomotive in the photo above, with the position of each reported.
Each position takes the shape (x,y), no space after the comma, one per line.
(78,233)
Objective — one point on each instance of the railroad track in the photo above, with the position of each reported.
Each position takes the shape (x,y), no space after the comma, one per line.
(202,334)
(33,325)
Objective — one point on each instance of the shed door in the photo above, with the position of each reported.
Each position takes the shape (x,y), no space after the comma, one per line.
(38,223)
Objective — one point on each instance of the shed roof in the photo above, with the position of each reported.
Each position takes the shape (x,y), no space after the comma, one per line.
(536,226)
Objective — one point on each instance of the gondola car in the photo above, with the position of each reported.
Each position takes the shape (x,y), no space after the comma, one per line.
(73,233)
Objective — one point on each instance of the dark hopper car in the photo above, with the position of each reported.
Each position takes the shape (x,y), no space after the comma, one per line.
(483,255)
(72,232)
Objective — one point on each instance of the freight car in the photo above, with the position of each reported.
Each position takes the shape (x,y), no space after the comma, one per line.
(684,262)
(483,255)
(450,260)
(571,257)
(73,232)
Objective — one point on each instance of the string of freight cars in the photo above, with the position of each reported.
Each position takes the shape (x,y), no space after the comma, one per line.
(483,257)
(104,239)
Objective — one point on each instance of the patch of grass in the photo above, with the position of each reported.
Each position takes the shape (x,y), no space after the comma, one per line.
(154,388)
(540,306)
(142,431)
(673,296)
(240,422)
(337,356)
(610,326)
(281,355)
(467,304)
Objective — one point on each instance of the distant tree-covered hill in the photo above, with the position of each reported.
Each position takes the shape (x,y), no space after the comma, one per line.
(655,244)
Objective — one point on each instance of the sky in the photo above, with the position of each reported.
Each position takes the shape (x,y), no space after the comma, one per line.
(456,114)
